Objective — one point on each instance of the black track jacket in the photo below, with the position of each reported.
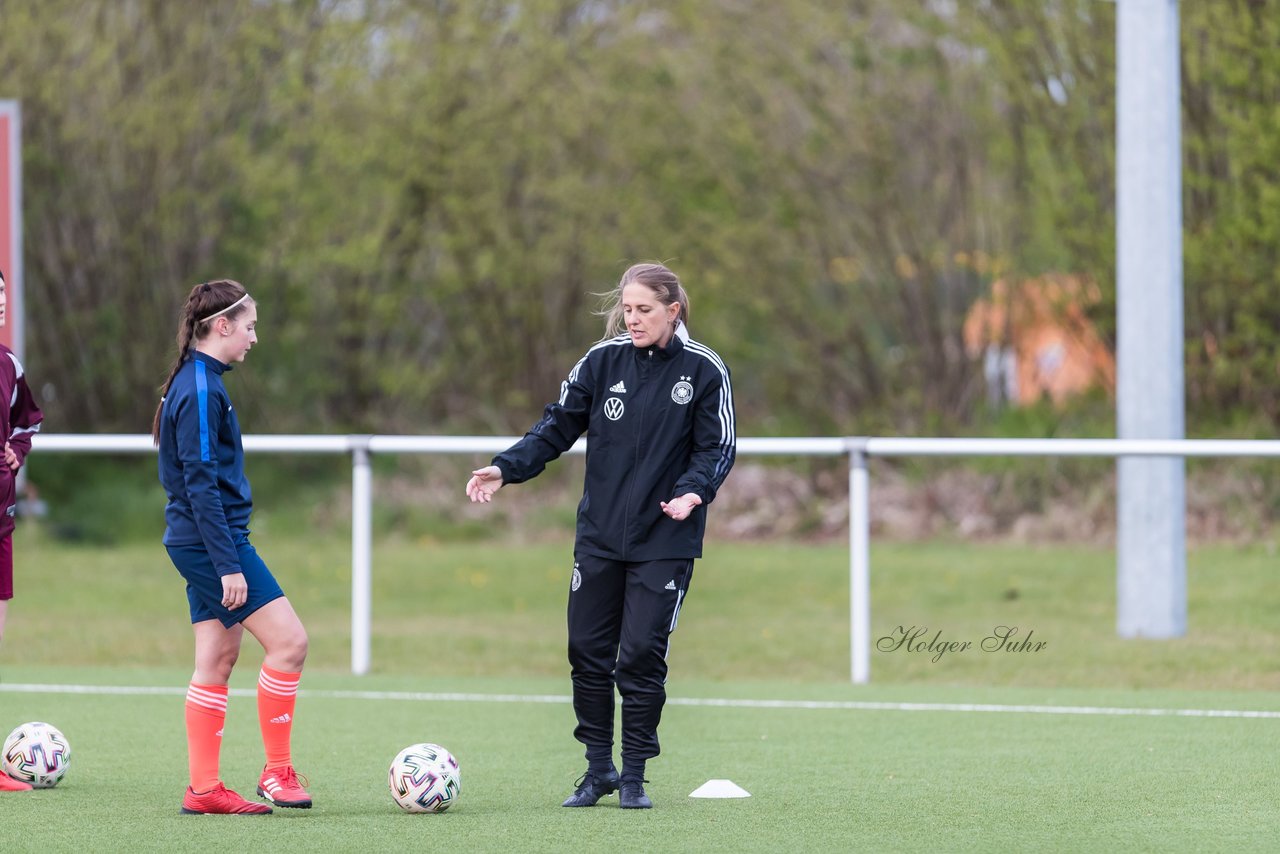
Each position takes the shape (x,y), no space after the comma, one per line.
(659,424)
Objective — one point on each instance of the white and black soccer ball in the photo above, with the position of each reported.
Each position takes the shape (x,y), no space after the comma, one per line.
(36,753)
(425,778)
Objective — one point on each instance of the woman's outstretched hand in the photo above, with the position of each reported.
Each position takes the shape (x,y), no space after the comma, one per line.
(483,484)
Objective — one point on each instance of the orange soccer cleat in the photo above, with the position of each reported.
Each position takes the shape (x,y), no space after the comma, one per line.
(282,788)
(220,801)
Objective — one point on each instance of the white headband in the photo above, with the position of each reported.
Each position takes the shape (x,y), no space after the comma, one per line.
(225,310)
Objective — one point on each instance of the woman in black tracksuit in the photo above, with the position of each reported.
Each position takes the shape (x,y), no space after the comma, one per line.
(657,408)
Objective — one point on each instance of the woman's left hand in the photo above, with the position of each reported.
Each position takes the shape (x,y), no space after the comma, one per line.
(235,591)
(680,508)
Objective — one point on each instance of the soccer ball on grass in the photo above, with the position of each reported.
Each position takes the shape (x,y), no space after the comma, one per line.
(36,753)
(424,778)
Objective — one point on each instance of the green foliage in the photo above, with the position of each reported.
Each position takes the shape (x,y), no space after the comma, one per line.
(1055,70)
(425,197)
(95,500)
(1231,84)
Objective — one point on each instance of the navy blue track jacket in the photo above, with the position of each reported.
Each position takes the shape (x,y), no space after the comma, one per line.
(659,424)
(202,464)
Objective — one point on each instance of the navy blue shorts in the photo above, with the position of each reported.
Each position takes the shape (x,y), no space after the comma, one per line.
(204,586)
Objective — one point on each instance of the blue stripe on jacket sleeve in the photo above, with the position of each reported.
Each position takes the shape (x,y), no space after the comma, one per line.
(202,399)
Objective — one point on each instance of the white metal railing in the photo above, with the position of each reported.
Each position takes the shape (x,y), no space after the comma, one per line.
(360,447)
(858,448)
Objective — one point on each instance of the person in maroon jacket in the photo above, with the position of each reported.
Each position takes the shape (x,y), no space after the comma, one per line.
(18,422)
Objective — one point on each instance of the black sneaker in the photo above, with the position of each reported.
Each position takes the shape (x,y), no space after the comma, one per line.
(592,788)
(632,796)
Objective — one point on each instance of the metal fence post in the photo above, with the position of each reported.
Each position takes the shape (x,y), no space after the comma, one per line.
(1151,493)
(361,554)
(859,562)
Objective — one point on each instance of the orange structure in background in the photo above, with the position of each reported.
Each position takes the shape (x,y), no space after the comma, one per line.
(1036,340)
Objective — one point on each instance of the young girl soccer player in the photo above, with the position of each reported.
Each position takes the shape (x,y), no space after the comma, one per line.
(229,588)
(18,422)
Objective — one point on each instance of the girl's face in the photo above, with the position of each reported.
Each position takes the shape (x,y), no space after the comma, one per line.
(238,335)
(648,320)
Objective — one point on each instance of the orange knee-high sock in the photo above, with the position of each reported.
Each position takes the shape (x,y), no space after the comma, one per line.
(277,695)
(206,713)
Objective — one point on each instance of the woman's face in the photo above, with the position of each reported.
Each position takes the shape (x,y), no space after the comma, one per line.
(242,333)
(648,320)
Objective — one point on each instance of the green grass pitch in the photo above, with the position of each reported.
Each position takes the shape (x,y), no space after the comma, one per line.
(930,757)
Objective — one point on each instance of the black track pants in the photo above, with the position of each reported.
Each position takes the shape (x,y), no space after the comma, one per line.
(621,616)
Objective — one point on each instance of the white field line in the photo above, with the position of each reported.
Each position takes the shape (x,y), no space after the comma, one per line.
(836,705)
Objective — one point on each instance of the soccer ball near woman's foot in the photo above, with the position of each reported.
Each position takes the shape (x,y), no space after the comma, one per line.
(425,778)
(36,753)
